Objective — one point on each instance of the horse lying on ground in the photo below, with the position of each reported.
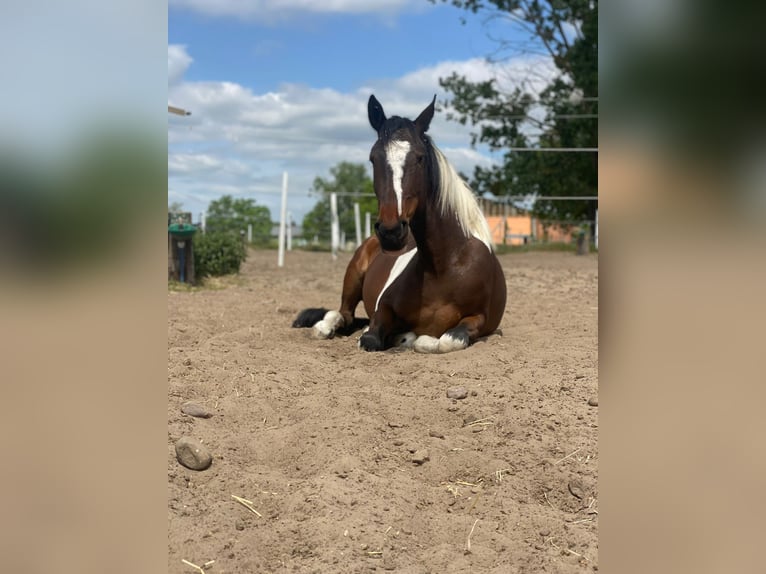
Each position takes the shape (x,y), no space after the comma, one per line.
(429,277)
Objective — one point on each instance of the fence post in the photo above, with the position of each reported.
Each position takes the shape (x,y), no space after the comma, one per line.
(596,238)
(289,231)
(335,224)
(357,225)
(282,218)
(366,223)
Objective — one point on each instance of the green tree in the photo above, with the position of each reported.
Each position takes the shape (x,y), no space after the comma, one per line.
(567,31)
(234,215)
(347,178)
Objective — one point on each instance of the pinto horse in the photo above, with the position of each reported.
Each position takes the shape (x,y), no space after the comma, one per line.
(429,277)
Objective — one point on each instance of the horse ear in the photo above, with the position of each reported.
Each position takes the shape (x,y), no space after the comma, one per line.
(375,113)
(425,117)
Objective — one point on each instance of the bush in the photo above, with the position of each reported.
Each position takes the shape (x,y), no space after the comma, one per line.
(218,253)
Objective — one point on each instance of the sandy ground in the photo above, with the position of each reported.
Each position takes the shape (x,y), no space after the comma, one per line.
(320,436)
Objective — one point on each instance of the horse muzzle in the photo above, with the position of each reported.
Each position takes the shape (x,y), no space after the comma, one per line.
(393,238)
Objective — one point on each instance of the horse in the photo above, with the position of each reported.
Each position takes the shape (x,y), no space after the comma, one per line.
(428,277)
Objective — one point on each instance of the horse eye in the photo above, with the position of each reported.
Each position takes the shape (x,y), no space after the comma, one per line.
(419,158)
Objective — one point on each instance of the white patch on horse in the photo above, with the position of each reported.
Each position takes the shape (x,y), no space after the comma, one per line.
(426,344)
(325,329)
(396,154)
(406,340)
(399,266)
(447,343)
(359,341)
(444,344)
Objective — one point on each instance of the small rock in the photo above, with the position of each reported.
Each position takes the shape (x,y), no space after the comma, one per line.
(577,489)
(239,525)
(187,362)
(192,454)
(468,419)
(593,401)
(474,393)
(420,456)
(398,442)
(452,408)
(545,533)
(457,393)
(195,410)
(436,434)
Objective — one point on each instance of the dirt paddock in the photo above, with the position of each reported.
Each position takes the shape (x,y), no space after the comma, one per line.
(359,462)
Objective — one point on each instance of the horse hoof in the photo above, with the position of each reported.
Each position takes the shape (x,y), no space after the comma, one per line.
(325,329)
(322,330)
(406,340)
(370,342)
(426,344)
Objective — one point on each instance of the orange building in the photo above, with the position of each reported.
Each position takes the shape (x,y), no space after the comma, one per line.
(523,228)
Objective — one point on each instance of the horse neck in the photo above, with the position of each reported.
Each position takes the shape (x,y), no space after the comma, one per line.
(438,238)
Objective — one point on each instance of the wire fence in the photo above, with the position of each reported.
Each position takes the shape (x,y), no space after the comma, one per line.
(509,225)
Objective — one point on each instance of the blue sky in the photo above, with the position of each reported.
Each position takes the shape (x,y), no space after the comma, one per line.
(282,85)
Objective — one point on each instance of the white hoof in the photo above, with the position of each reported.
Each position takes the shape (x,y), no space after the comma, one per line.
(325,329)
(406,340)
(426,344)
(444,344)
(447,344)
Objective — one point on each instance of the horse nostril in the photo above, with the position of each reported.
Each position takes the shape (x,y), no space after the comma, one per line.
(377,225)
(403,223)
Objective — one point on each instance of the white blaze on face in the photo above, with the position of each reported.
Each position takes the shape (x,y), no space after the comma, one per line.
(396,154)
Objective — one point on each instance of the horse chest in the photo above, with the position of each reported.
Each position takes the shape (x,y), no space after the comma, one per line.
(388,280)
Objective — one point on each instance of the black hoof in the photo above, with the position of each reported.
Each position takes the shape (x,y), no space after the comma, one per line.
(370,342)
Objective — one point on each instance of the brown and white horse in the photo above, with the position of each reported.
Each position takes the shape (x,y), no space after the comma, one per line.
(429,277)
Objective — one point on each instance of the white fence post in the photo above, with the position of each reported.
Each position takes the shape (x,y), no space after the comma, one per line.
(282,221)
(596,238)
(335,224)
(357,225)
(366,223)
(289,231)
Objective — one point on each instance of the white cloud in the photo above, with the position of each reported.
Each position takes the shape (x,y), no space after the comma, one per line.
(178,62)
(239,142)
(271,10)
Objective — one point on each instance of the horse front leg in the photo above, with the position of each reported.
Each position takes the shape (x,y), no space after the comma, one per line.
(376,336)
(353,283)
(351,295)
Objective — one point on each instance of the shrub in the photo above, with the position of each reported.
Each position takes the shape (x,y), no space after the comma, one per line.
(218,253)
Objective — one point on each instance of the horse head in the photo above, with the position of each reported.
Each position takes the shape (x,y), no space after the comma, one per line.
(402,171)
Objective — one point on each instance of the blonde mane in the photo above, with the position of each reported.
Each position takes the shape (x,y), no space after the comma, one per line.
(456,197)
